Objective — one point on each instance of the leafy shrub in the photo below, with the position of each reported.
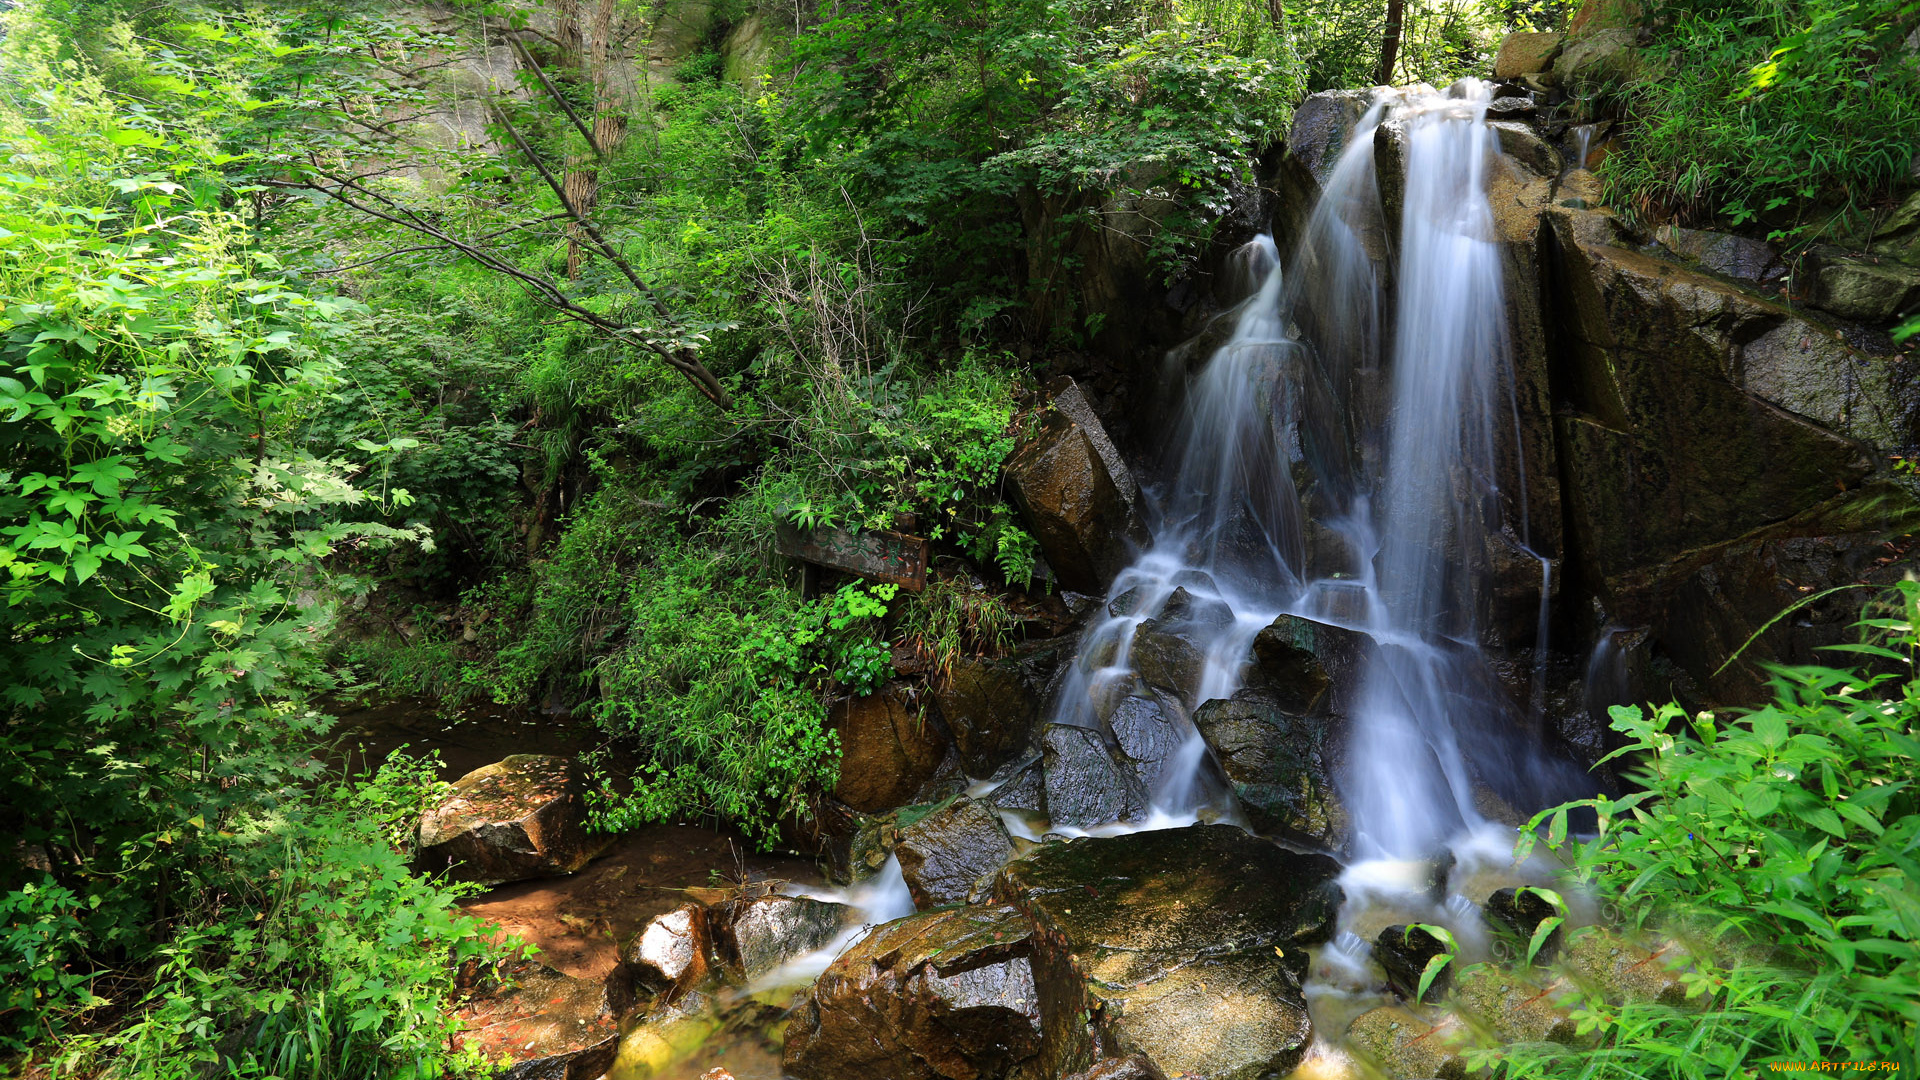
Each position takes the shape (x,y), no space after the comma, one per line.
(1779,112)
(1781,846)
(43,971)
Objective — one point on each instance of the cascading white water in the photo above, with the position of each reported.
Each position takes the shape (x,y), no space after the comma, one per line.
(1382,422)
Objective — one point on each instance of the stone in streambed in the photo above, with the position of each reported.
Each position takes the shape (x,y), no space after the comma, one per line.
(1405,952)
(1513,1010)
(543,1024)
(944,854)
(758,935)
(1185,946)
(1280,764)
(1865,288)
(521,817)
(945,995)
(1086,783)
(1405,1047)
(670,955)
(1520,913)
(1619,970)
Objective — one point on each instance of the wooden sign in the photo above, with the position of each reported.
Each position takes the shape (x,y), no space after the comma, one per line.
(876,555)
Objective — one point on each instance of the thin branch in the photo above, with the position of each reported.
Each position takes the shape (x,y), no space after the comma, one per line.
(558,98)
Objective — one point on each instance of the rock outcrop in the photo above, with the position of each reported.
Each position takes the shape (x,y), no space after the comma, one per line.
(521,817)
(1077,495)
(1184,946)
(947,995)
(887,750)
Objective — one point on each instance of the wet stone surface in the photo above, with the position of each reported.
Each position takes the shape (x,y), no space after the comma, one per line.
(758,935)
(518,818)
(944,854)
(1280,764)
(1086,785)
(546,1025)
(1183,945)
(946,995)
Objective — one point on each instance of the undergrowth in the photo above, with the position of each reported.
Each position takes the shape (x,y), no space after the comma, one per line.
(1782,848)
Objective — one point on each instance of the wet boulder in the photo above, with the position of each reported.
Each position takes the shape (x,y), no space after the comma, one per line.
(544,1025)
(1404,1047)
(1086,783)
(1521,911)
(887,750)
(1147,728)
(945,995)
(1599,62)
(1290,662)
(521,817)
(755,936)
(1024,789)
(944,854)
(1185,946)
(1169,651)
(670,955)
(1078,508)
(992,708)
(1281,765)
(1405,952)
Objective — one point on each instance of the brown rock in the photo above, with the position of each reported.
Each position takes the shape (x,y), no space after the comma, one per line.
(518,818)
(1618,970)
(1594,15)
(991,707)
(1512,1010)
(887,750)
(545,1025)
(1078,508)
(1526,54)
(946,995)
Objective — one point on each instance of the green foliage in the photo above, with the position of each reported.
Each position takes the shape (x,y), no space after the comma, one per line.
(1779,113)
(325,958)
(394,796)
(43,971)
(1781,845)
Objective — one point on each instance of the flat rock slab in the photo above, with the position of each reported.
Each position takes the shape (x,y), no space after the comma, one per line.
(546,1025)
(1186,946)
(521,817)
(945,995)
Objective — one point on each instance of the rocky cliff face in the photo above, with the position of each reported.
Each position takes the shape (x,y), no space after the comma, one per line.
(1699,450)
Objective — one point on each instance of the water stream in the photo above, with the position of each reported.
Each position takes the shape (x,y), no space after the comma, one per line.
(1340,460)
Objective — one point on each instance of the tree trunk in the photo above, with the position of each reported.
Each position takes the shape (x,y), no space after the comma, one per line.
(582,183)
(1390,42)
(1276,13)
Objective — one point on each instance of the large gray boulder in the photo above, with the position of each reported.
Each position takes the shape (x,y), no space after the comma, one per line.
(757,935)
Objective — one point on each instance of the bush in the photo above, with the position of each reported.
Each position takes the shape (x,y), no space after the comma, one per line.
(1781,112)
(1783,848)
